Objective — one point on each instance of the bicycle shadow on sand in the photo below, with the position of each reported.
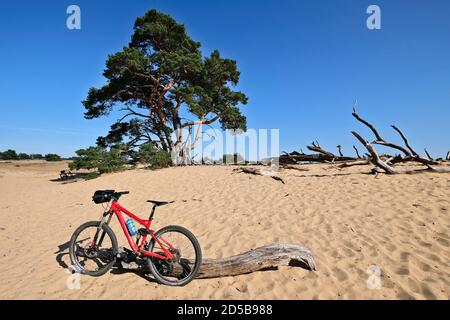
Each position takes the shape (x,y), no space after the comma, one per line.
(63,260)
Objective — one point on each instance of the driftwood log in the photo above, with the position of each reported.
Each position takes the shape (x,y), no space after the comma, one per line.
(317,148)
(260,172)
(354,163)
(263,258)
(409,152)
(296,157)
(384,163)
(269,257)
(386,168)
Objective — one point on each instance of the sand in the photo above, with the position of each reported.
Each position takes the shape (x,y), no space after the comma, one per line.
(351,221)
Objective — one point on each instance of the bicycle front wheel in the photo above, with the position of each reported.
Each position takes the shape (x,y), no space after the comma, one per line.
(93,249)
(187,256)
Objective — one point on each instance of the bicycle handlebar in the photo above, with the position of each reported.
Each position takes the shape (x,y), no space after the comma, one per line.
(117,195)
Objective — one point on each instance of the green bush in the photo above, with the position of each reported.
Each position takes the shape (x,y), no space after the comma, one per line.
(24,156)
(52,157)
(152,156)
(9,155)
(100,159)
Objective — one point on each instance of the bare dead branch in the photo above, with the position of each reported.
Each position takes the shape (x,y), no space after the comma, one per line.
(416,159)
(428,155)
(354,163)
(357,152)
(317,148)
(371,127)
(379,140)
(374,155)
(405,140)
(390,170)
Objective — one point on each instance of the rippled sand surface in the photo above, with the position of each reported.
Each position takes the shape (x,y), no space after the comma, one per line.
(355,225)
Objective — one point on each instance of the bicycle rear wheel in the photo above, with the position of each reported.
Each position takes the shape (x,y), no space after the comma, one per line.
(92,249)
(185,264)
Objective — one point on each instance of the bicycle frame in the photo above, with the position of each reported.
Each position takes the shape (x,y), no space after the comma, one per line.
(139,247)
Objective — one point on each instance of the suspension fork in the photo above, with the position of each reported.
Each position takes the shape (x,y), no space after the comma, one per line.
(108,214)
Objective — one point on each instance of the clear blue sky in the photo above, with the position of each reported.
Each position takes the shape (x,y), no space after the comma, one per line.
(302,65)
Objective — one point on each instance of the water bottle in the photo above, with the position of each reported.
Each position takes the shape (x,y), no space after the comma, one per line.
(131,227)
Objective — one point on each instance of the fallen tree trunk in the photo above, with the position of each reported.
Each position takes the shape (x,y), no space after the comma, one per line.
(375,158)
(384,162)
(354,163)
(418,159)
(386,168)
(410,153)
(268,257)
(315,146)
(260,172)
(263,258)
(292,158)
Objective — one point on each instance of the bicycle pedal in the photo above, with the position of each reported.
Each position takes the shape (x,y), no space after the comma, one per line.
(126,255)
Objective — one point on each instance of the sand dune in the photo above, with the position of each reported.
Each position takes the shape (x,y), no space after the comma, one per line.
(350,222)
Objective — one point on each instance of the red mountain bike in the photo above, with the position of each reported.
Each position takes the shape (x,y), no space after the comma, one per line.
(172,254)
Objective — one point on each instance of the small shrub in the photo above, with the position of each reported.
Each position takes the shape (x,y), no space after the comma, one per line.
(9,155)
(100,159)
(152,156)
(52,157)
(24,156)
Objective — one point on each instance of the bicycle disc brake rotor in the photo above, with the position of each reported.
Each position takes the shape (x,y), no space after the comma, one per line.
(90,252)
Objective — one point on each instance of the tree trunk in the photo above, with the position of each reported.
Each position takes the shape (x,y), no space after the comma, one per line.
(263,258)
(181,155)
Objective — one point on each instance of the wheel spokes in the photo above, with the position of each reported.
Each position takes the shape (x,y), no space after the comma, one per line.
(93,257)
(179,266)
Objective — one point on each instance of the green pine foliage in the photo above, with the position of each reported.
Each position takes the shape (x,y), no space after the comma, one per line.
(100,159)
(158,76)
(152,156)
(52,157)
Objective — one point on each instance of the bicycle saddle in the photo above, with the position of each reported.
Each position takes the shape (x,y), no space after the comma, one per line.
(160,203)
